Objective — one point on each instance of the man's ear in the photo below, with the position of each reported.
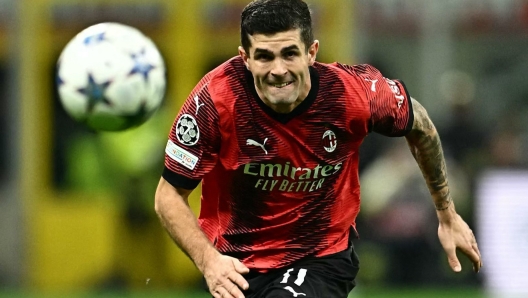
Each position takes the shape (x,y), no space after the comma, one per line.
(244,56)
(312,51)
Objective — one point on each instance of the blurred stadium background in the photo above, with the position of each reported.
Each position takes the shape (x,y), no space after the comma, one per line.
(76,207)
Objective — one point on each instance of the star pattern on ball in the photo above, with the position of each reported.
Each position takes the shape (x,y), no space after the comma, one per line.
(141,65)
(58,81)
(95,92)
(94,39)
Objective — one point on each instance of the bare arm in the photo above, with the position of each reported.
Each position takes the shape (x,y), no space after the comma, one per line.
(454,233)
(222,273)
(426,148)
(173,209)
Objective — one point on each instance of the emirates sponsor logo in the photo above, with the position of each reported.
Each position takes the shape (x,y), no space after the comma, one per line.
(289,178)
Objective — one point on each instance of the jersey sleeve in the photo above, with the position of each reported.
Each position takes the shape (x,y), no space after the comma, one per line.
(389,102)
(194,140)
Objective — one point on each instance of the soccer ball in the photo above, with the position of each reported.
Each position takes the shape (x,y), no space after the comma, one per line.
(111,77)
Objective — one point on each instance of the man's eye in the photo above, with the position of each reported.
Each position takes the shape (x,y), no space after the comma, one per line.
(263,57)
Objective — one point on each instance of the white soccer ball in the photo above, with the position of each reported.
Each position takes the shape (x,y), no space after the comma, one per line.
(111,77)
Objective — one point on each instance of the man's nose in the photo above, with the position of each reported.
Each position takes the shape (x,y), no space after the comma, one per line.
(279,67)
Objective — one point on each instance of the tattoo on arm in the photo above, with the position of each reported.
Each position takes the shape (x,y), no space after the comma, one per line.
(424,142)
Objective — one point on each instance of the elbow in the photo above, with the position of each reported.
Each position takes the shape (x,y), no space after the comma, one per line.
(160,197)
(158,202)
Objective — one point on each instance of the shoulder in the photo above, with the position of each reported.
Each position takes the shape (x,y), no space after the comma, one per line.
(358,70)
(224,86)
(221,80)
(229,72)
(356,79)
(350,75)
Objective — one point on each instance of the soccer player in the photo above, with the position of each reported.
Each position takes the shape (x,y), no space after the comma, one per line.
(274,136)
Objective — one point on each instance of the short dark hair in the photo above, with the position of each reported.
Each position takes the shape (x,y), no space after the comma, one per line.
(274,16)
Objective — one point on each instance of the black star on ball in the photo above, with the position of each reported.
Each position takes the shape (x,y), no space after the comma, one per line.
(141,65)
(95,92)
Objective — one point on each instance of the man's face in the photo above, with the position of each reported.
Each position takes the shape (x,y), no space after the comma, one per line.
(280,67)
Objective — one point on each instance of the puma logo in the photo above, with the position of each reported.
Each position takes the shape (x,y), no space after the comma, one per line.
(255,143)
(198,104)
(373,86)
(295,294)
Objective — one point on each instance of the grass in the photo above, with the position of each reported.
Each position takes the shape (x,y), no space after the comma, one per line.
(419,293)
(357,293)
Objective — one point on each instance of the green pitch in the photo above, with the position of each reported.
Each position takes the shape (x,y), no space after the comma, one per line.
(356,293)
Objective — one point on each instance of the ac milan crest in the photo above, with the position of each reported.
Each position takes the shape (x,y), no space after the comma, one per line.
(329,141)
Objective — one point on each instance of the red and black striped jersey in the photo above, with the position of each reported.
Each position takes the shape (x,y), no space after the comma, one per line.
(277,188)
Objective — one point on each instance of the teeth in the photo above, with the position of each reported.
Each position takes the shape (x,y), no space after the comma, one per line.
(281,85)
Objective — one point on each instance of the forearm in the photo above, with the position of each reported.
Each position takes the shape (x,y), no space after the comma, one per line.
(453,231)
(424,143)
(181,224)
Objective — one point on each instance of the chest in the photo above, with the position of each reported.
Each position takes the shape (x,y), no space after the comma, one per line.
(317,137)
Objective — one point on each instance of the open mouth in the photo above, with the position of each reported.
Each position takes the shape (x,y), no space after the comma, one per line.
(281,85)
